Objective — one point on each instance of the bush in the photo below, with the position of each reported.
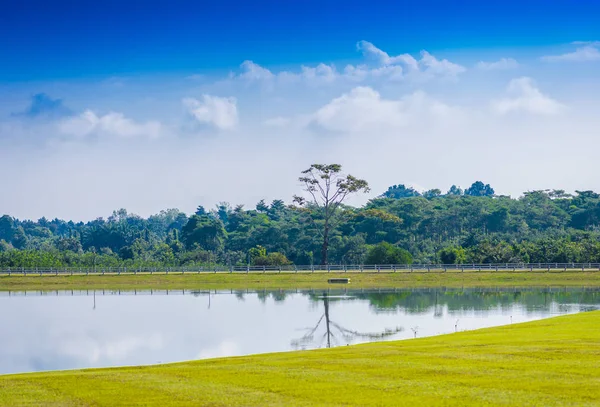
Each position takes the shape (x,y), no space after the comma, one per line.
(453,255)
(386,253)
(272,259)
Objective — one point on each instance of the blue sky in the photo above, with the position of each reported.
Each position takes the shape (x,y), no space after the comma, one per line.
(68,39)
(152,104)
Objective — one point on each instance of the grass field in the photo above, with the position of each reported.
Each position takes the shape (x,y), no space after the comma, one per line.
(552,362)
(300,280)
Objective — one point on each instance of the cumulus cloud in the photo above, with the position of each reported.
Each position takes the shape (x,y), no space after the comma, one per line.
(112,124)
(43,106)
(427,66)
(220,112)
(379,65)
(321,71)
(524,96)
(582,54)
(501,64)
(363,109)
(253,71)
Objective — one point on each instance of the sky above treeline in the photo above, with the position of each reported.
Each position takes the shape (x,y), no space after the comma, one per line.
(151,105)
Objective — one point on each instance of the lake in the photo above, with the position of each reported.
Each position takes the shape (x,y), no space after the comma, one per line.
(79,329)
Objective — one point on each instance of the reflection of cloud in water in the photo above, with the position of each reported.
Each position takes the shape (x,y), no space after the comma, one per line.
(93,350)
(225,348)
(55,330)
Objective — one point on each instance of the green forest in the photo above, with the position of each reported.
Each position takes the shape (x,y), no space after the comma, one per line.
(399,226)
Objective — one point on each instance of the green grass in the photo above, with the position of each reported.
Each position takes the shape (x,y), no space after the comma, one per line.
(306,280)
(552,362)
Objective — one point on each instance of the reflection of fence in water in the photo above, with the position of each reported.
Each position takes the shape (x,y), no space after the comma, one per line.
(328,291)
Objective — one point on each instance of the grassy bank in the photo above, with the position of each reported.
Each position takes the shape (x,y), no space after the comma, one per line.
(290,280)
(550,362)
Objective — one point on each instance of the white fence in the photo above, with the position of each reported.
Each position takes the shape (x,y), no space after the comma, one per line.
(333,291)
(378,268)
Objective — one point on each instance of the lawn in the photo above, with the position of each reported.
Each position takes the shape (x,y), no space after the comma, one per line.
(300,280)
(552,362)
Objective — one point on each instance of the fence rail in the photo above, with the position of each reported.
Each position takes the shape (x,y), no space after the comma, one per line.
(377,268)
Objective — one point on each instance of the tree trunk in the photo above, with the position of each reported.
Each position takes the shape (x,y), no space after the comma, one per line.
(325,246)
(326,301)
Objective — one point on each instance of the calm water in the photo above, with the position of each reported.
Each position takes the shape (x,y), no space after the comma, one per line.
(78,329)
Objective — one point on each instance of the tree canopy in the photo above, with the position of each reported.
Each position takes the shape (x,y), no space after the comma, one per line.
(475,227)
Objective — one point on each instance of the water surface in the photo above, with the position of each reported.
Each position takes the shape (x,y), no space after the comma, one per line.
(78,329)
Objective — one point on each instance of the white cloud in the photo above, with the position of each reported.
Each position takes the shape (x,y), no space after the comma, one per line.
(363,110)
(358,73)
(582,54)
(501,64)
(383,66)
(253,71)
(220,112)
(322,71)
(112,124)
(93,350)
(427,65)
(370,51)
(525,97)
(382,118)
(439,67)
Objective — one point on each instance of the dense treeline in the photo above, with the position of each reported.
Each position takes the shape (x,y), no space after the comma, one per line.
(400,226)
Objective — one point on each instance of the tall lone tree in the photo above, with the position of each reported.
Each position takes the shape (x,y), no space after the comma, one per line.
(328,187)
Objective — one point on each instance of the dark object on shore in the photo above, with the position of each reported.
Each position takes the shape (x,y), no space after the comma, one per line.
(338,281)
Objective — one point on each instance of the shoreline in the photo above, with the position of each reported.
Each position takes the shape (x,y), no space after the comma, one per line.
(299,280)
(552,361)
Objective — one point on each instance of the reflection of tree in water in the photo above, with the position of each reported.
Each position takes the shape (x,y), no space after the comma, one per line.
(334,331)
(423,301)
(278,296)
